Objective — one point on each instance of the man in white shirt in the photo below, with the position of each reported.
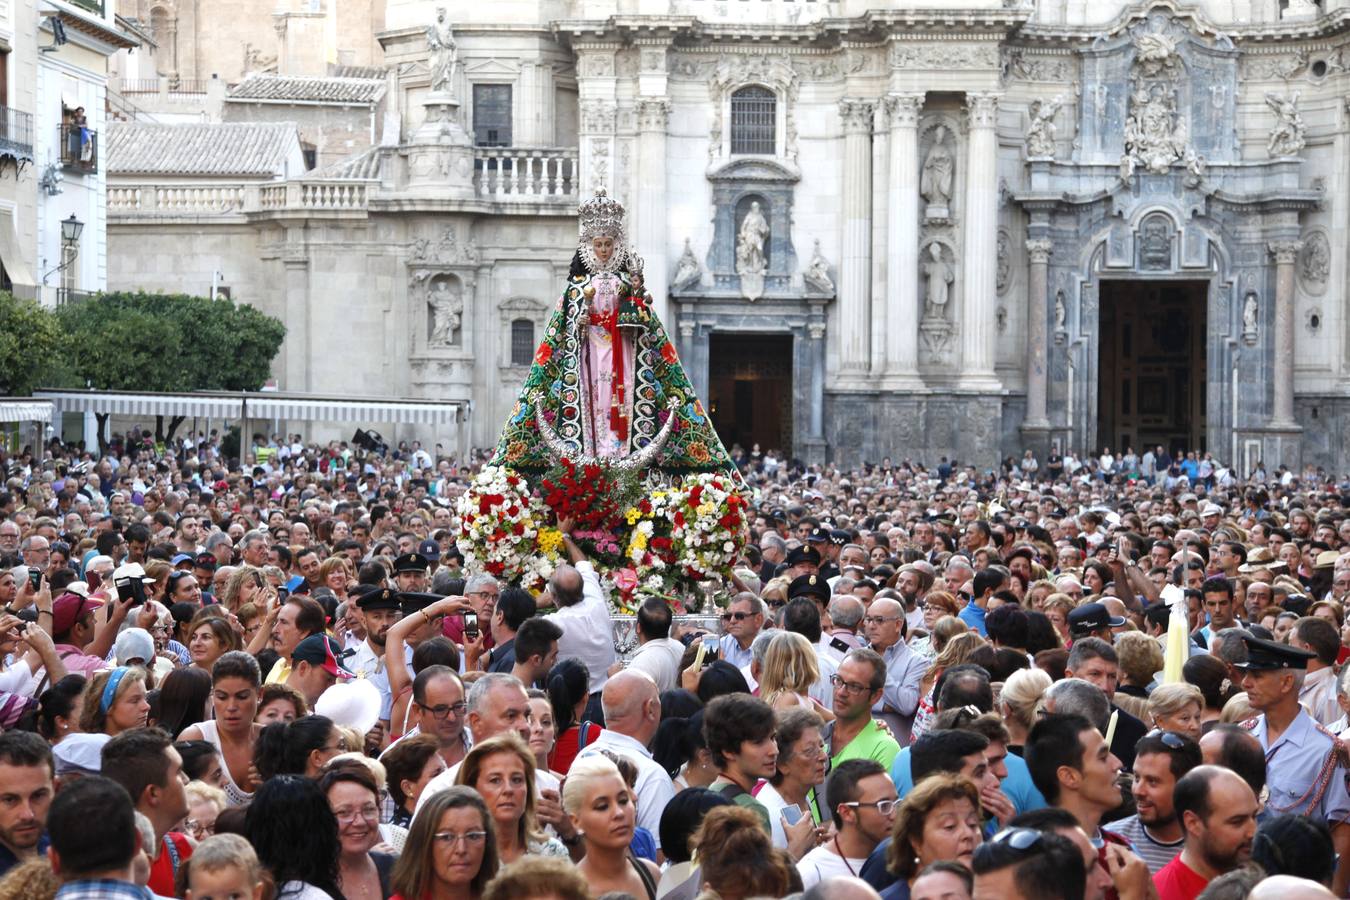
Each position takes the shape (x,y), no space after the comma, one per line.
(862,802)
(742,621)
(583,614)
(1318,694)
(657,655)
(632,708)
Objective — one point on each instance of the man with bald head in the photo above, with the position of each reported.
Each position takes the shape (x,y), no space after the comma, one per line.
(884,626)
(1287,887)
(583,614)
(632,708)
(1217,812)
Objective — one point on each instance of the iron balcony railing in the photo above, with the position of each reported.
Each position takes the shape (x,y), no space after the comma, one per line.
(79,148)
(16,134)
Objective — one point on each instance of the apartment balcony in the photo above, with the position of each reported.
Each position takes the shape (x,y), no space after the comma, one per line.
(79,148)
(93,6)
(16,134)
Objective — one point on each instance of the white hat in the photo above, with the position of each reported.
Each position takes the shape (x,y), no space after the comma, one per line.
(1211,509)
(352,704)
(80,753)
(131,570)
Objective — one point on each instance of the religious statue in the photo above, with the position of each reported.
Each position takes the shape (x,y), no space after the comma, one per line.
(1041,130)
(444,54)
(447,307)
(1287,137)
(1061,313)
(940,277)
(817,275)
(938,172)
(1155,136)
(606,382)
(1249,315)
(750,258)
(687,270)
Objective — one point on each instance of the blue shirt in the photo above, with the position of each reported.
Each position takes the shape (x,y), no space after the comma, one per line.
(1017,786)
(102,889)
(8,860)
(973,615)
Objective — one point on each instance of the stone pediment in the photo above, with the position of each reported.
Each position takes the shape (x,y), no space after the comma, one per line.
(490,67)
(763,170)
(1184,14)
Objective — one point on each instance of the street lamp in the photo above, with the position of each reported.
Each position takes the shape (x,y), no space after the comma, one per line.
(71,229)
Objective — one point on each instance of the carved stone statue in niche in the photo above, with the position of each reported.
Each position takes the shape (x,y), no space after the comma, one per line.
(446,311)
(938,174)
(940,276)
(1061,318)
(687,270)
(1249,312)
(1155,245)
(817,276)
(750,240)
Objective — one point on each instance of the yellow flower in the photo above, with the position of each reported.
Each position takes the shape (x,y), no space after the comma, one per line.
(705,509)
(633,515)
(550,540)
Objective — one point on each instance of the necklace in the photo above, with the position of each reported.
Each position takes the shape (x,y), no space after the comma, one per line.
(839,850)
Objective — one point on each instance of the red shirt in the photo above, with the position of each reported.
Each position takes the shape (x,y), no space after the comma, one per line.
(163,870)
(1178,881)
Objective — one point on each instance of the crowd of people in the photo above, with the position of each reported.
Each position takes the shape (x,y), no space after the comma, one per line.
(277,679)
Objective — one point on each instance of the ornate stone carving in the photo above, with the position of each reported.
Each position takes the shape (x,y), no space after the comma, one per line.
(1284,66)
(1155,244)
(939,275)
(904,109)
(1287,137)
(775,73)
(1285,252)
(597,117)
(938,178)
(1250,314)
(1061,318)
(652,59)
(653,115)
(1314,268)
(625,65)
(982,110)
(856,115)
(751,261)
(687,270)
(944,55)
(599,165)
(444,53)
(1017,63)
(1157,134)
(1003,268)
(1038,251)
(1001,318)
(1041,129)
(447,250)
(596,64)
(817,275)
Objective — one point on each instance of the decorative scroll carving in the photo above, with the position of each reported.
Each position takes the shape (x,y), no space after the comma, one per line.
(944,55)
(597,117)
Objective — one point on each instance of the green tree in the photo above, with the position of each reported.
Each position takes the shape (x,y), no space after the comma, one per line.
(30,341)
(169,342)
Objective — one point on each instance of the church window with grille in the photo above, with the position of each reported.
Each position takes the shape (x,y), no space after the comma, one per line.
(522,342)
(754,121)
(492,115)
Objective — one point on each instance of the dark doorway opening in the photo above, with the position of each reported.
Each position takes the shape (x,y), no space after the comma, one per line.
(1151,380)
(750,389)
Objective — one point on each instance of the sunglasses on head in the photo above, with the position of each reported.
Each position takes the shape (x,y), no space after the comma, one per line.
(1170,739)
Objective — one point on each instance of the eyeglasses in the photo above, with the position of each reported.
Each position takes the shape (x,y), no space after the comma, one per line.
(1020,839)
(879,620)
(444,710)
(815,751)
(882,806)
(347,816)
(450,839)
(737,616)
(849,686)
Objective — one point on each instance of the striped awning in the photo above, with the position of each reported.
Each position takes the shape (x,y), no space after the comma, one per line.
(260,405)
(25,410)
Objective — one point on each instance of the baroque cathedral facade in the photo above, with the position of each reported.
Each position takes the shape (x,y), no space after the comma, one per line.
(875,228)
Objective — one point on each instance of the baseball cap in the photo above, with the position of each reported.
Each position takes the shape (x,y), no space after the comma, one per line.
(1092,617)
(67,609)
(324,651)
(429,549)
(181,558)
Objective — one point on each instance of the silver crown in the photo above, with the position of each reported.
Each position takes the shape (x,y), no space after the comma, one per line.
(601,215)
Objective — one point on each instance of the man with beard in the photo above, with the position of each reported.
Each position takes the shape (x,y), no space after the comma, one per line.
(1217,809)
(913,583)
(25,796)
(1161,759)
(380,609)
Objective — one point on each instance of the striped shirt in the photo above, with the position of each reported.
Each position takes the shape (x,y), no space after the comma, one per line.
(1155,853)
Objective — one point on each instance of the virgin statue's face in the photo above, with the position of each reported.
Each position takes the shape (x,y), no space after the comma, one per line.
(603,247)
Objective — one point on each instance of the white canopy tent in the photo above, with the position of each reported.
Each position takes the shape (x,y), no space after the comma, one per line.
(267,406)
(16,413)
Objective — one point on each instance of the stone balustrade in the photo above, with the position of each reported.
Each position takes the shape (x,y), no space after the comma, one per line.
(313,196)
(512,173)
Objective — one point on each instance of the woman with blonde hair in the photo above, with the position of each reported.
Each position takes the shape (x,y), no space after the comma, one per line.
(115,701)
(790,669)
(1140,658)
(1177,707)
(1038,592)
(954,653)
(939,820)
(604,812)
(501,769)
(244,586)
(1057,608)
(1017,704)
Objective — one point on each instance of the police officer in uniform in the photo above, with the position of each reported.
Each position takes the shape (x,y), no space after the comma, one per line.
(1305,765)
(380,609)
(410,572)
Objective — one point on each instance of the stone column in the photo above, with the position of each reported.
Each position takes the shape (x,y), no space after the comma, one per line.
(981,243)
(295,284)
(534,117)
(902,244)
(855,268)
(881,203)
(649,239)
(1037,339)
(1286,255)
